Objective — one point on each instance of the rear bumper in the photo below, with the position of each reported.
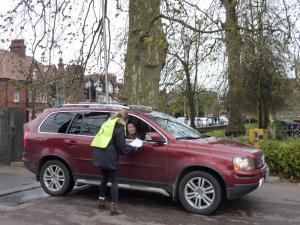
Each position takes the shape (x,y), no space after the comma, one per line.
(239,190)
(30,167)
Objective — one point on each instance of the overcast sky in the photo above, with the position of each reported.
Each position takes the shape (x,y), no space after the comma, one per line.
(119,21)
(69,52)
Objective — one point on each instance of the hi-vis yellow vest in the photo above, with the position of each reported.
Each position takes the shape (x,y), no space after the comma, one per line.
(105,134)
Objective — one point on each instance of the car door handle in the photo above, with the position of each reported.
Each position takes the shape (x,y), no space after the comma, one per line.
(72,142)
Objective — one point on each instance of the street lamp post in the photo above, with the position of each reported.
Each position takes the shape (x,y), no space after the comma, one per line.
(105,48)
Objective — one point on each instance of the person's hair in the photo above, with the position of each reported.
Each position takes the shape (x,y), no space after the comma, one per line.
(130,123)
(122,114)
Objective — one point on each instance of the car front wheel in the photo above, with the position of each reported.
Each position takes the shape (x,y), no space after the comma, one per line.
(200,192)
(55,178)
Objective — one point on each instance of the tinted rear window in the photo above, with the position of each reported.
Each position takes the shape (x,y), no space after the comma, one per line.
(57,122)
(88,123)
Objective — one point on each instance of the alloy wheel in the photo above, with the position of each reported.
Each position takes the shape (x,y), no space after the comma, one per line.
(199,193)
(54,178)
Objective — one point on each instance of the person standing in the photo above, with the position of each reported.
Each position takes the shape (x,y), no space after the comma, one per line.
(108,143)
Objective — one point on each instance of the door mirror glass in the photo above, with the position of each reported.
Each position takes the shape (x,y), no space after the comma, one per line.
(154,137)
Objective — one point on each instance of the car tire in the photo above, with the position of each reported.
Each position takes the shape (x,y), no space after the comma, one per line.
(55,178)
(200,192)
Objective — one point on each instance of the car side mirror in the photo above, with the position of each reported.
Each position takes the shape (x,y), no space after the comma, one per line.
(154,137)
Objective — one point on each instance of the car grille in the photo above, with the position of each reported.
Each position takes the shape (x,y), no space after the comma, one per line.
(260,160)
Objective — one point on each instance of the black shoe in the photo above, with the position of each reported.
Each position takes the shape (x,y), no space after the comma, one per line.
(101,203)
(114,209)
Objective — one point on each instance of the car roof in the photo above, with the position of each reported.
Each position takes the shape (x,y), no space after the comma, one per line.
(104,107)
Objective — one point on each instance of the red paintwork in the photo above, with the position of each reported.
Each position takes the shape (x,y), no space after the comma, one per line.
(154,162)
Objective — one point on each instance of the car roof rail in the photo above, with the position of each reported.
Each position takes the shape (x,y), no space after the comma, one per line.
(142,107)
(95,104)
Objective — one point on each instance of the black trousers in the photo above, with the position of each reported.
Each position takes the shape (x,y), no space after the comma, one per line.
(111,175)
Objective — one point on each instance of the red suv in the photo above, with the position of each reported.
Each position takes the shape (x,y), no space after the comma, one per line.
(175,160)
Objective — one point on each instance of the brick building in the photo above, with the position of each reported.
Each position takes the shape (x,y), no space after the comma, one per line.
(95,88)
(20,81)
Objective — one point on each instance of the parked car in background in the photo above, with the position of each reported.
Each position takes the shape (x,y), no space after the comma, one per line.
(250,119)
(209,121)
(199,122)
(182,120)
(203,121)
(223,119)
(175,160)
(291,129)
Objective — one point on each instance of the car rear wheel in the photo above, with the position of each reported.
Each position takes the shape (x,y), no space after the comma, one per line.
(55,178)
(200,192)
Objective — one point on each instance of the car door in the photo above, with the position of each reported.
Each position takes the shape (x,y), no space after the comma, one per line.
(150,163)
(80,135)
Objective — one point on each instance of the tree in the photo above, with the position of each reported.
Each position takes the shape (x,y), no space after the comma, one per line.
(53,28)
(263,62)
(232,41)
(188,51)
(146,53)
(52,23)
(233,49)
(232,28)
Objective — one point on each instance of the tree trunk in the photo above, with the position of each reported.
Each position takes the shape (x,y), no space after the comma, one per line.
(265,116)
(259,113)
(259,98)
(233,47)
(146,53)
(190,95)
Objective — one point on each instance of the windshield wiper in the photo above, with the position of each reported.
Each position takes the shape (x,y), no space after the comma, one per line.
(188,137)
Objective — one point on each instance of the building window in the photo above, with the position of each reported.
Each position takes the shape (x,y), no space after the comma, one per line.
(44,99)
(102,99)
(34,74)
(30,116)
(38,98)
(110,87)
(30,96)
(45,69)
(16,96)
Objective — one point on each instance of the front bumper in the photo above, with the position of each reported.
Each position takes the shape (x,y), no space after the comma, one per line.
(239,190)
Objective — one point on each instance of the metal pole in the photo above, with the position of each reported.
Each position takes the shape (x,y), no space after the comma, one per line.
(56,93)
(197,106)
(184,106)
(105,49)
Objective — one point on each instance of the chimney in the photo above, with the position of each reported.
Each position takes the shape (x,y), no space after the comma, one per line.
(18,47)
(60,66)
(297,69)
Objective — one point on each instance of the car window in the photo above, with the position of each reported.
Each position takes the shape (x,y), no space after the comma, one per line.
(141,127)
(88,123)
(57,122)
(76,125)
(173,127)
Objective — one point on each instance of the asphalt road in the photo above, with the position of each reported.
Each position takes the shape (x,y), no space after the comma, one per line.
(274,203)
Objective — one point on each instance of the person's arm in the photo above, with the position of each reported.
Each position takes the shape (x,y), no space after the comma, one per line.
(120,143)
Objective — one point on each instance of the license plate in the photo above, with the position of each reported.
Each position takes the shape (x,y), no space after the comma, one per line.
(261,182)
(266,175)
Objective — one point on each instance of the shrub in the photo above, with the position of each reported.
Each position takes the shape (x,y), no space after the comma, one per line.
(283,156)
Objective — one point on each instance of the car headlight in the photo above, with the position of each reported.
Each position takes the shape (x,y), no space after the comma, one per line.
(243,163)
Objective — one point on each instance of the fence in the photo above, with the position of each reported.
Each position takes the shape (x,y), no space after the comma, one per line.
(11,134)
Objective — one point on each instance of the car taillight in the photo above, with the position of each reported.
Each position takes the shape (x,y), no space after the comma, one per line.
(26,138)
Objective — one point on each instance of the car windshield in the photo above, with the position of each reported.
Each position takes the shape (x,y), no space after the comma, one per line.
(175,128)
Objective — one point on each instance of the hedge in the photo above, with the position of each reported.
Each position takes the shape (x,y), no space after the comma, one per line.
(283,157)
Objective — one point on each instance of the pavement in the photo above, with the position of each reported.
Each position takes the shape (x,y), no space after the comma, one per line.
(16,179)
(275,203)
